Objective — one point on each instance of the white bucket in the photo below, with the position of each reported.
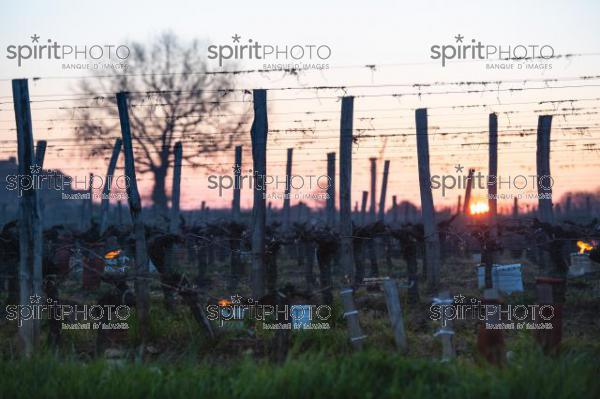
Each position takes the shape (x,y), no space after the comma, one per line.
(580,264)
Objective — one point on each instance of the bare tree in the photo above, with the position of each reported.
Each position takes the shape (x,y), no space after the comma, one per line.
(173,99)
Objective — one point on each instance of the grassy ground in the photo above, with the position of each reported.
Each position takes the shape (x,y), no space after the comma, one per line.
(370,374)
(182,362)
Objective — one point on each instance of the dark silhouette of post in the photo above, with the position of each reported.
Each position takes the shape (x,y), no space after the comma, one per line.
(515,210)
(543,169)
(259,132)
(493,169)
(346,131)
(394,209)
(386,171)
(237,173)
(288,184)
(373,205)
(176,191)
(468,191)
(351,315)
(432,243)
(363,207)
(90,202)
(107,185)
(392,299)
(330,204)
(40,154)
(135,208)
(459,205)
(29,219)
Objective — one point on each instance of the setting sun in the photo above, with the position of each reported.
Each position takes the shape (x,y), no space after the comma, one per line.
(477,208)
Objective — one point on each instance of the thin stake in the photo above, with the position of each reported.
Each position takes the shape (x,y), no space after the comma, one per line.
(107,185)
(259,158)
(176,194)
(135,208)
(346,131)
(432,243)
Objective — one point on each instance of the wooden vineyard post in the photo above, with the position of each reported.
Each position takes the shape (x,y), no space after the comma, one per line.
(468,192)
(545,181)
(237,172)
(490,341)
(235,238)
(392,300)
(40,154)
(386,171)
(171,250)
(432,243)
(90,201)
(373,205)
(351,316)
(135,208)
(107,185)
(259,132)
(363,208)
(331,219)
(176,193)
(345,228)
(550,294)
(446,331)
(87,209)
(459,205)
(288,184)
(394,209)
(30,223)
(493,170)
(515,209)
(381,218)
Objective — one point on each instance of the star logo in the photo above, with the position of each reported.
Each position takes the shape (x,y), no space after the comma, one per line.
(236,38)
(459,38)
(459,168)
(459,298)
(236,299)
(35,38)
(35,298)
(35,169)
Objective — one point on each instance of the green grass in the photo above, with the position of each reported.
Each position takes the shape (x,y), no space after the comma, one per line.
(370,374)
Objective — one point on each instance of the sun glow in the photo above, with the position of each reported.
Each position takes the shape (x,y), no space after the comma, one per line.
(478,208)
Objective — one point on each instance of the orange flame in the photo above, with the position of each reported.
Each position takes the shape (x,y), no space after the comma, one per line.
(478,208)
(584,246)
(224,302)
(112,254)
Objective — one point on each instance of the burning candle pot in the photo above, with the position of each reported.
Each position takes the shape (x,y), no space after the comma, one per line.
(580,261)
